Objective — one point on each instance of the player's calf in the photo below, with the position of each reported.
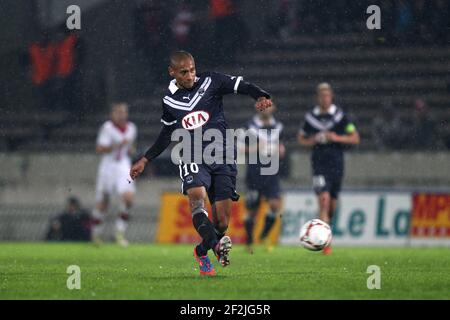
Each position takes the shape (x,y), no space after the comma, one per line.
(122,220)
(249,224)
(269,222)
(204,228)
(220,228)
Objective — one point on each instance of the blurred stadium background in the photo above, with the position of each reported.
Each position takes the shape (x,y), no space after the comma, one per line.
(395,83)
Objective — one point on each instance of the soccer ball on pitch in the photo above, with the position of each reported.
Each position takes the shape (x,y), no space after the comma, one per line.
(315,235)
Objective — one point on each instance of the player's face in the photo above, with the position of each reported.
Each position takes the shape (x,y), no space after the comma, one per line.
(184,73)
(267,113)
(325,98)
(119,114)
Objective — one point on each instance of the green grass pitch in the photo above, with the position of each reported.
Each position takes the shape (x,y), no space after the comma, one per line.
(144,271)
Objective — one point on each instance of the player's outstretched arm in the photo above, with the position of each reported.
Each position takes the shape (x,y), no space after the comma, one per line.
(239,85)
(262,97)
(161,143)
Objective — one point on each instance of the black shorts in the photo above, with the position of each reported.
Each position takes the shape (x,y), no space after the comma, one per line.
(262,186)
(327,182)
(218,179)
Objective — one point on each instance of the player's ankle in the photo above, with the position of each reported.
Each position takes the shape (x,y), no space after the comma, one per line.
(200,251)
(216,248)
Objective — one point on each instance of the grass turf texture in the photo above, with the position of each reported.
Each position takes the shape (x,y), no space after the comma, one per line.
(38,271)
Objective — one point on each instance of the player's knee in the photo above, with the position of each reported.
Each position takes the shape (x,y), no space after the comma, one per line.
(275,205)
(102,206)
(127,199)
(196,204)
(197,197)
(325,197)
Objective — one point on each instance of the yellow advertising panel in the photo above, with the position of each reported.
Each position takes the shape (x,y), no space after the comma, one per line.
(430,215)
(175,221)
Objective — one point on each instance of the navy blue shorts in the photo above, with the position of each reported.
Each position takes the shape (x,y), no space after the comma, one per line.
(327,182)
(262,186)
(218,179)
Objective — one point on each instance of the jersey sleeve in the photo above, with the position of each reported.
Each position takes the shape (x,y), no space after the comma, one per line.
(135,132)
(161,143)
(227,84)
(346,125)
(282,135)
(164,137)
(104,138)
(349,126)
(237,84)
(167,118)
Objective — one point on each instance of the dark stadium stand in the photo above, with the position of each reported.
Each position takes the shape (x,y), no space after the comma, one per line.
(362,74)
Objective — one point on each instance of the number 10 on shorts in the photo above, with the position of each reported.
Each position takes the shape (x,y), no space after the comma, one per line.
(187,168)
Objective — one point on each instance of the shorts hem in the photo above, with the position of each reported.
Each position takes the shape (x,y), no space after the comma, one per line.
(186,188)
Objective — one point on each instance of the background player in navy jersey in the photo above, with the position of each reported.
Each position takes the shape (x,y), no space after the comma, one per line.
(263,186)
(195,101)
(327,130)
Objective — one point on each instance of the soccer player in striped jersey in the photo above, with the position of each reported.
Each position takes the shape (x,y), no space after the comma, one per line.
(328,131)
(194,101)
(269,133)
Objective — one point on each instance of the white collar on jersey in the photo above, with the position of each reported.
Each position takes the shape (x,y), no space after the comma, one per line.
(260,123)
(331,110)
(173,85)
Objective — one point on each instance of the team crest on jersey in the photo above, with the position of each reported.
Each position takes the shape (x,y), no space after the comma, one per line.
(194,120)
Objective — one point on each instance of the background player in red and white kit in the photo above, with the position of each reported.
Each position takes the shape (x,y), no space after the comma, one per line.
(116,142)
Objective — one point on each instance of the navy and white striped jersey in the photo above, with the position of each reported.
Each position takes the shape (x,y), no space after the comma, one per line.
(202,105)
(327,154)
(268,139)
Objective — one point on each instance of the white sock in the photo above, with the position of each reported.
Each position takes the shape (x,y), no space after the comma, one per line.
(122,219)
(121,225)
(97,229)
